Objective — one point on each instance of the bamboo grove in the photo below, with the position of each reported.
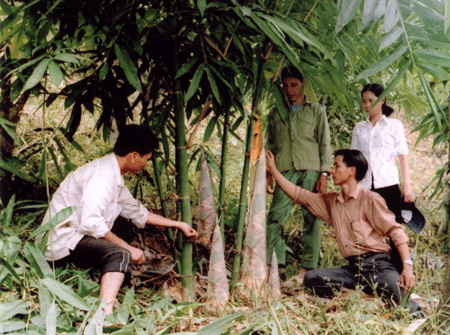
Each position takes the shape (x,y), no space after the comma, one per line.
(184,63)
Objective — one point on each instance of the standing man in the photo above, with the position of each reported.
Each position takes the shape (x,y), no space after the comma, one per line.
(98,192)
(301,144)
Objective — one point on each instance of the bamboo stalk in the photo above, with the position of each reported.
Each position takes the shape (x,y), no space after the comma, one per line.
(223,169)
(242,208)
(181,161)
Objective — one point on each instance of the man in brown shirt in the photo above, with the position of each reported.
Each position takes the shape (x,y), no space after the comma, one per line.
(362,223)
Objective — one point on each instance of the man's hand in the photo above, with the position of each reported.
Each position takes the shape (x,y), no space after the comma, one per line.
(321,185)
(137,255)
(407,278)
(270,162)
(269,183)
(190,232)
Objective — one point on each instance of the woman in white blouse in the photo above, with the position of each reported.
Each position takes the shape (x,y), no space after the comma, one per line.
(381,140)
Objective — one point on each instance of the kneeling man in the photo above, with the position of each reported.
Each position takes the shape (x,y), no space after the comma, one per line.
(98,192)
(362,222)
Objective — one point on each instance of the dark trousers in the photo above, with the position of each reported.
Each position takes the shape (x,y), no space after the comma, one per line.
(373,271)
(101,254)
(391,194)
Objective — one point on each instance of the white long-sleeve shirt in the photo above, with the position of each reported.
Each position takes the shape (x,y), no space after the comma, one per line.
(380,144)
(98,192)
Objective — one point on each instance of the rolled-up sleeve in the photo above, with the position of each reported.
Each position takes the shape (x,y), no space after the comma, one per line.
(314,202)
(132,208)
(384,220)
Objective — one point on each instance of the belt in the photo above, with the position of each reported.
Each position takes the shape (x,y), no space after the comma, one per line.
(362,257)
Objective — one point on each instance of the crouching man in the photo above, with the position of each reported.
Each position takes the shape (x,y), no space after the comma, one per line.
(362,222)
(98,192)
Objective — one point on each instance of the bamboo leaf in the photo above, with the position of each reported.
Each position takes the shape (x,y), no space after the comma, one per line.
(213,84)
(382,63)
(201,4)
(6,125)
(435,108)
(280,100)
(64,293)
(216,327)
(209,129)
(8,166)
(434,57)
(391,37)
(26,65)
(195,82)
(11,270)
(434,70)
(186,67)
(8,212)
(37,74)
(380,9)
(37,260)
(391,16)
(50,320)
(347,13)
(68,58)
(128,66)
(368,14)
(54,221)
(425,11)
(55,73)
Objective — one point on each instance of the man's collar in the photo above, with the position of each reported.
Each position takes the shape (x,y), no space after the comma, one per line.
(354,194)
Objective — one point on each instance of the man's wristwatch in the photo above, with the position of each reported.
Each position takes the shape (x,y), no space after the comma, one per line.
(408,261)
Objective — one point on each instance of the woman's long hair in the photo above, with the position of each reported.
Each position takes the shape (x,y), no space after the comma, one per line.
(377,89)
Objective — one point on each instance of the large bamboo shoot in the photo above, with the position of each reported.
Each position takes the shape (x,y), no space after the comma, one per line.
(274,285)
(206,208)
(254,268)
(218,287)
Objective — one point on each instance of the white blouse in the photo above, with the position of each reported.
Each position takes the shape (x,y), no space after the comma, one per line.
(98,192)
(380,144)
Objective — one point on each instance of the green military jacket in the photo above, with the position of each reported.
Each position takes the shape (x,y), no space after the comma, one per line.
(302,140)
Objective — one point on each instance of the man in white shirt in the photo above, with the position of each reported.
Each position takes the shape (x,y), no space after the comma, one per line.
(98,192)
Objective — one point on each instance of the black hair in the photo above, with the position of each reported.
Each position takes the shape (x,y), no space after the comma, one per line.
(134,138)
(377,89)
(353,157)
(291,71)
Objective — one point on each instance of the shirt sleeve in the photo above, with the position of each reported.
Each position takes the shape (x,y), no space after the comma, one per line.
(324,141)
(132,208)
(355,139)
(314,202)
(400,139)
(383,220)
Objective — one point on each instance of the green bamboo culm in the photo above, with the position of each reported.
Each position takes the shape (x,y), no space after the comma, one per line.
(259,91)
(242,207)
(223,171)
(181,163)
(162,196)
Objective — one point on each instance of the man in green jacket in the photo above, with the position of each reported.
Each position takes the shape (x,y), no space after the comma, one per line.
(301,143)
